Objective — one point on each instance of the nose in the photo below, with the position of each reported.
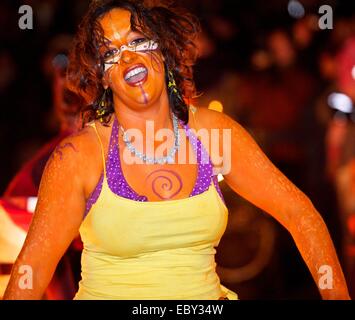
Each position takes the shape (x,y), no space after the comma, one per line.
(127,56)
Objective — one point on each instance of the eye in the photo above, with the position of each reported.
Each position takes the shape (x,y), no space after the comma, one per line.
(137,41)
(109,53)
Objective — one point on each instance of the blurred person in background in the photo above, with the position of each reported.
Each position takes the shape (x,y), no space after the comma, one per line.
(333,134)
(340,142)
(345,186)
(62,118)
(21,193)
(273,96)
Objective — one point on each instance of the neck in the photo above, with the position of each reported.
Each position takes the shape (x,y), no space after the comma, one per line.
(158,112)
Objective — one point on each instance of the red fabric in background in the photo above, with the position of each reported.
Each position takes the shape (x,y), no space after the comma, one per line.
(20,217)
(26,181)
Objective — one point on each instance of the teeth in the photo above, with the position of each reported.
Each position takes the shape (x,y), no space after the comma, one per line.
(134,72)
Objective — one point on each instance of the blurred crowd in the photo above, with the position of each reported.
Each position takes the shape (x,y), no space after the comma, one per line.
(290,83)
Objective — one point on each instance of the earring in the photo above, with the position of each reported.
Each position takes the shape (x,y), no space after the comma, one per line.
(172,85)
(103,106)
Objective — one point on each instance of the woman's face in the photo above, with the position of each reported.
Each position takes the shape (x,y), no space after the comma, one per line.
(136,77)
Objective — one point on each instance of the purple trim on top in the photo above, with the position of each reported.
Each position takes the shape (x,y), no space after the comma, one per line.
(204,173)
(94,195)
(119,185)
(115,178)
(216,184)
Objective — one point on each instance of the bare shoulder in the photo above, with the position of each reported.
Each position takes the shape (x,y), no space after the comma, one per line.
(211,119)
(75,156)
(85,143)
(76,146)
(232,135)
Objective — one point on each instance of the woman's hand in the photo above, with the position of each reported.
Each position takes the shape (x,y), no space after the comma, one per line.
(57,218)
(253,176)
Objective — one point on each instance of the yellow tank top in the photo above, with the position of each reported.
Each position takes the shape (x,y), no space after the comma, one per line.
(153,250)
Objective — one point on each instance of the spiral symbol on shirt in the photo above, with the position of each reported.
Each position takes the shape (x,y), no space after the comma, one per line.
(165,183)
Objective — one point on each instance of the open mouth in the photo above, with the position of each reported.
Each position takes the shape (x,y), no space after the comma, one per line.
(136,75)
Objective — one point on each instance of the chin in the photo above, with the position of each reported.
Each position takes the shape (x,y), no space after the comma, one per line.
(140,105)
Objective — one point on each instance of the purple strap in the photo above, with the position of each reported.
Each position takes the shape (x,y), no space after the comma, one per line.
(119,185)
(115,178)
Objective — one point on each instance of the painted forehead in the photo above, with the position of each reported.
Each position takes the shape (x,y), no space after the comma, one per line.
(116,24)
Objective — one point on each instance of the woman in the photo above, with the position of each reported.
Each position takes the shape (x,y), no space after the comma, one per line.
(149,221)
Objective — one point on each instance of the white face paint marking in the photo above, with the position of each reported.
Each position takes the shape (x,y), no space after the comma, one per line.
(148,45)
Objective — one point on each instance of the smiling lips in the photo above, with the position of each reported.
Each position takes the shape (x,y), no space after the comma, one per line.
(136,75)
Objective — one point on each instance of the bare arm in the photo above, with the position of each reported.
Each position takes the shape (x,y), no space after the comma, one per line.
(57,218)
(255,178)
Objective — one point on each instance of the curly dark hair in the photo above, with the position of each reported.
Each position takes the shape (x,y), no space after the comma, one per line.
(172,27)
